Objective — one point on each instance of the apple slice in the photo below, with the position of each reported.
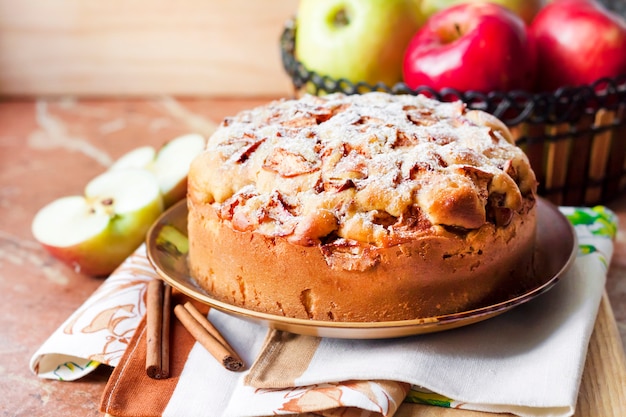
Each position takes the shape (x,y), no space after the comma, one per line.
(140,157)
(171,240)
(169,165)
(96,232)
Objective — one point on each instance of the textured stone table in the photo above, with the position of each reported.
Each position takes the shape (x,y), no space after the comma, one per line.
(51,148)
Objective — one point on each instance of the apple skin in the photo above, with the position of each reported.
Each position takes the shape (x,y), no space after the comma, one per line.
(359,40)
(578,42)
(526,9)
(103,239)
(471,46)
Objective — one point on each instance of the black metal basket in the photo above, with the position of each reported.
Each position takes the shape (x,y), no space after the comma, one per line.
(575,137)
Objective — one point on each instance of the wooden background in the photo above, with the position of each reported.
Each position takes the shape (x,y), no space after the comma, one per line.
(142,47)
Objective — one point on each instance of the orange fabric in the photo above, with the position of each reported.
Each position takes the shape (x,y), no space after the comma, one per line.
(130,392)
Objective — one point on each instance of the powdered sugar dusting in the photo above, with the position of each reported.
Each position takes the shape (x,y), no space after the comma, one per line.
(374,164)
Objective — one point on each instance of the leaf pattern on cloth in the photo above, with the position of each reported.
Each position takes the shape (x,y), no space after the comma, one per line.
(599,220)
(73,367)
(100,330)
(595,227)
(418,395)
(345,399)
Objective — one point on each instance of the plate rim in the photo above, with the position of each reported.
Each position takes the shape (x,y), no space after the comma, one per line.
(319,327)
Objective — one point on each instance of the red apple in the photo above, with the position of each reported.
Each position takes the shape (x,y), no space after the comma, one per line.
(471,46)
(578,42)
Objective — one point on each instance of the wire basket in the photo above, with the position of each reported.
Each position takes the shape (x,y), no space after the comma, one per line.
(575,137)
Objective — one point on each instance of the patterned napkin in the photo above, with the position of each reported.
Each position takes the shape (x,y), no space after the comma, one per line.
(100,330)
(527,362)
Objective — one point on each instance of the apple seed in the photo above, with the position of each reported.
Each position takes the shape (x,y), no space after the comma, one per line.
(340,19)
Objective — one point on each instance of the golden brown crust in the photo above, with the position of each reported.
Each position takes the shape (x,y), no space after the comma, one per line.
(366,208)
(427,277)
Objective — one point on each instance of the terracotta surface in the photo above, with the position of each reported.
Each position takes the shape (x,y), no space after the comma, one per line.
(50,148)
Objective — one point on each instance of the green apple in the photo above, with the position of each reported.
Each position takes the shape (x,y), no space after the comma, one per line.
(359,40)
(170,164)
(140,157)
(96,232)
(526,9)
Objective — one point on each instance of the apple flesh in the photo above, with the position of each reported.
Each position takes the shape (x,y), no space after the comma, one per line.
(526,9)
(137,158)
(96,232)
(170,164)
(471,46)
(354,39)
(578,42)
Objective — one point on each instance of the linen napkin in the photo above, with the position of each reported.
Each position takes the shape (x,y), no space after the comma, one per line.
(199,385)
(99,331)
(499,365)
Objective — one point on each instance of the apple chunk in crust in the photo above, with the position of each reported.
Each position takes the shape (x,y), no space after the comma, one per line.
(94,233)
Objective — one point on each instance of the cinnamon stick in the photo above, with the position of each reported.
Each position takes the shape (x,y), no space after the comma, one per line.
(208,326)
(212,340)
(158,329)
(165,330)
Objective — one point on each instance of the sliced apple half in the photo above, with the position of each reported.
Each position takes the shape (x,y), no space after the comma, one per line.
(170,164)
(96,232)
(141,157)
